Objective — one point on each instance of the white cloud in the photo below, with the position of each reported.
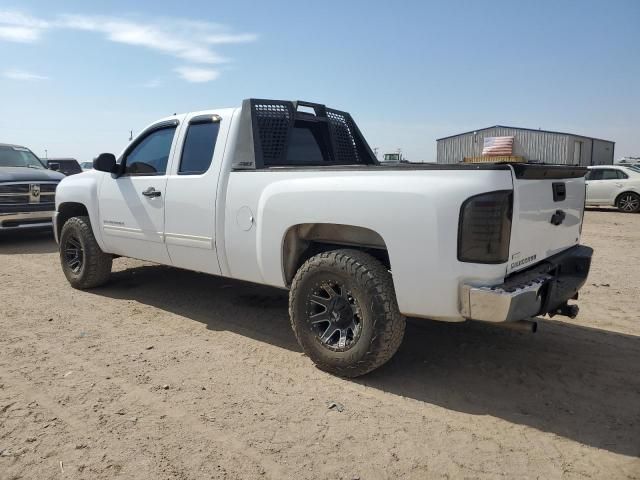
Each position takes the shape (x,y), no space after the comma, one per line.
(163,37)
(17,74)
(19,27)
(190,41)
(19,34)
(196,74)
(11,17)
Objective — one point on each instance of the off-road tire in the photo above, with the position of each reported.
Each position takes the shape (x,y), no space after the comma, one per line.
(628,198)
(96,265)
(382,324)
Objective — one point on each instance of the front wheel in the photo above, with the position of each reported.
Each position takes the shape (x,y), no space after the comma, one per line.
(83,262)
(628,202)
(344,312)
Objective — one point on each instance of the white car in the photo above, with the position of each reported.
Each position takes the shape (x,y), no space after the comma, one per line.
(613,185)
(289,194)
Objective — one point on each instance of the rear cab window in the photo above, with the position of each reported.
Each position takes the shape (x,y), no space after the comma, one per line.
(199,145)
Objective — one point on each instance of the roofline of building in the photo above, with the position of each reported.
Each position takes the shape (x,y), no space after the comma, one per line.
(528,129)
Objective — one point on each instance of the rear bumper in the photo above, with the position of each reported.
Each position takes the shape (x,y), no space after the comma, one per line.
(539,290)
(17,220)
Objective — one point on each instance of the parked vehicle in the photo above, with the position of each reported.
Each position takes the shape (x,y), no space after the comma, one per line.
(67,166)
(86,166)
(614,186)
(289,194)
(27,189)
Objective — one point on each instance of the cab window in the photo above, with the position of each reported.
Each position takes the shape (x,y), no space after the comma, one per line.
(150,155)
(199,146)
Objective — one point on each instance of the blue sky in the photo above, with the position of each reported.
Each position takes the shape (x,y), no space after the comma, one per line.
(76,76)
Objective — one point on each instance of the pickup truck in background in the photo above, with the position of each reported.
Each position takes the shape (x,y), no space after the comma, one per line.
(27,189)
(289,194)
(66,166)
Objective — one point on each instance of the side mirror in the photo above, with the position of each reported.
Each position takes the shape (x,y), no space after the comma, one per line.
(55,166)
(105,162)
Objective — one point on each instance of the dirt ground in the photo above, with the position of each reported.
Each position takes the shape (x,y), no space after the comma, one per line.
(170,374)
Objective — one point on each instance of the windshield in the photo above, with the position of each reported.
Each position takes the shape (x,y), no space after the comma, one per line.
(18,157)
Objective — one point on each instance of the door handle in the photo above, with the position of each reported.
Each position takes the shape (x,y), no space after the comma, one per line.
(151,192)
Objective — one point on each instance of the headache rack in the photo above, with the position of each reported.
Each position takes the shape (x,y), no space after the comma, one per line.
(281,133)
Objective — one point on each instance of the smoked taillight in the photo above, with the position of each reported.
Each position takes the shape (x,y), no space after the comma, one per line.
(484,228)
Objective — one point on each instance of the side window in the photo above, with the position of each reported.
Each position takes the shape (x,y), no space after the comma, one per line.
(150,156)
(609,174)
(622,175)
(595,174)
(198,148)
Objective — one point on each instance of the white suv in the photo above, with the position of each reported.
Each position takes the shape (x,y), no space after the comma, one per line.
(614,185)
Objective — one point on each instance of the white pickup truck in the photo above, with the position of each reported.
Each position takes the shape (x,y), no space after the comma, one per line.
(289,194)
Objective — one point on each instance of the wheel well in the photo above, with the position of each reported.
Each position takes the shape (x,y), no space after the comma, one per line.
(622,193)
(303,241)
(68,210)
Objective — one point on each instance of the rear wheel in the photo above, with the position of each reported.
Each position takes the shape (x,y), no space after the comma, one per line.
(83,262)
(344,312)
(628,202)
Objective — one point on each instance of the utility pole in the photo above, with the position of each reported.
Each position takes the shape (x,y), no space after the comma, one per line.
(130,135)
(46,155)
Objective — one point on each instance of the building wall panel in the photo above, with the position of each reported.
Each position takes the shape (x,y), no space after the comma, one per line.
(533,145)
(603,152)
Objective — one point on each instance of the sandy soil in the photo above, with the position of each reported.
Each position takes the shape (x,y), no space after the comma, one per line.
(170,374)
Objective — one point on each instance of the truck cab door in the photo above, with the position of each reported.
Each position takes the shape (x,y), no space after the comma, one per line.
(190,213)
(132,205)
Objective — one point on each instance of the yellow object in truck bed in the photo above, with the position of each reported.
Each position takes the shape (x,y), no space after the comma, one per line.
(495,159)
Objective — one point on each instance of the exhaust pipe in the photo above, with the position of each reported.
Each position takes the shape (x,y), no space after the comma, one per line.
(525,326)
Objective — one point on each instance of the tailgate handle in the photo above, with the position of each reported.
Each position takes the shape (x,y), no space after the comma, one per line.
(558,217)
(559,191)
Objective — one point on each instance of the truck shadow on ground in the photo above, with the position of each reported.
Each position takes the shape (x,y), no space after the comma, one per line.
(580,383)
(27,242)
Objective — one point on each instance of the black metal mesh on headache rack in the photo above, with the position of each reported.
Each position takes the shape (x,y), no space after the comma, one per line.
(343,134)
(273,120)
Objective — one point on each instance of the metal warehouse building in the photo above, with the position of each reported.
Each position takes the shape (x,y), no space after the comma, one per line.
(533,145)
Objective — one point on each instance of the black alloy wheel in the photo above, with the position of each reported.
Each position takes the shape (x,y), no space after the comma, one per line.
(74,253)
(335,316)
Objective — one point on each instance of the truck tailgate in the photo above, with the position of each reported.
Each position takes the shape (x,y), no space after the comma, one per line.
(548,207)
